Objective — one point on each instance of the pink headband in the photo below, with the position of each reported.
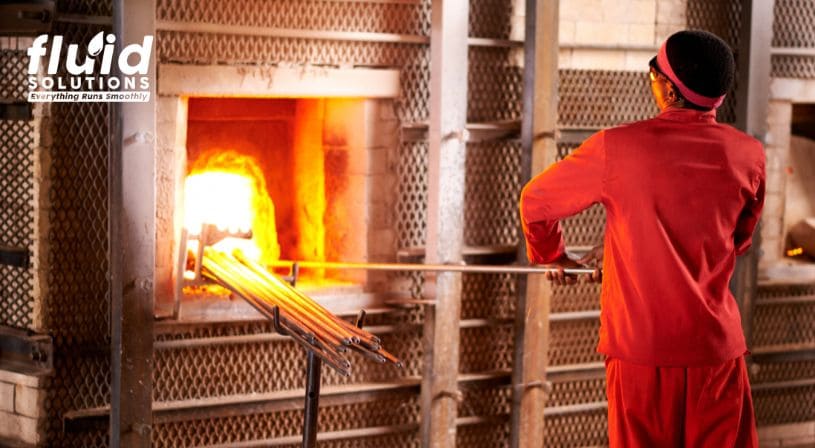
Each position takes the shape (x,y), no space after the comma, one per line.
(690,95)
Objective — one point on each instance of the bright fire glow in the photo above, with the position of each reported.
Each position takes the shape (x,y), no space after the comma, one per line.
(218,198)
(228,190)
(794,252)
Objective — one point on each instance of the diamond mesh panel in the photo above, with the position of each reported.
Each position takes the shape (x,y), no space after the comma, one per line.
(575,392)
(491,18)
(85,7)
(722,18)
(574,342)
(489,296)
(784,371)
(16,193)
(237,369)
(598,99)
(413,60)
(408,439)
(793,67)
(371,17)
(13,74)
(779,406)
(76,305)
(580,297)
(485,349)
(16,219)
(494,85)
(794,23)
(411,207)
(485,402)
(234,429)
(492,192)
(576,430)
(788,324)
(484,435)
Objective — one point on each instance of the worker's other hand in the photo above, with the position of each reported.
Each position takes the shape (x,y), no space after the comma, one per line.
(593,259)
(560,277)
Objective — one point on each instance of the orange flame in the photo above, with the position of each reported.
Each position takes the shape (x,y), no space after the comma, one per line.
(228,190)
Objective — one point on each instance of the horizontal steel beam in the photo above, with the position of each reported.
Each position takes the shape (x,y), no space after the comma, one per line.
(792,51)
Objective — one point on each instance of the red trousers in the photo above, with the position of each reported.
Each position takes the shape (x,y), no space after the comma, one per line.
(657,407)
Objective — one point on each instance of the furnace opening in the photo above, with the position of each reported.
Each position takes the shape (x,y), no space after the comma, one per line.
(277,171)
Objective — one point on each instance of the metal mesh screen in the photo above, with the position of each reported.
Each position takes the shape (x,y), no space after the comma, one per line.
(14,71)
(783,324)
(597,99)
(491,19)
(494,85)
(793,66)
(580,297)
(787,324)
(231,369)
(793,27)
(76,306)
(565,393)
(489,297)
(230,430)
(491,198)
(16,193)
(413,60)
(786,405)
(722,18)
(577,429)
(411,206)
(373,17)
(262,367)
(794,24)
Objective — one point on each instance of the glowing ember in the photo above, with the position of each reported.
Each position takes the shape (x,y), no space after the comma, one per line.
(228,190)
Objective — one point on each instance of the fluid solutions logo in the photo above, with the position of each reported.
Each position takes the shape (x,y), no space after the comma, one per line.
(87,81)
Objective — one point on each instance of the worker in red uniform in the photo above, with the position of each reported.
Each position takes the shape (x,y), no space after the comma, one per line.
(682,195)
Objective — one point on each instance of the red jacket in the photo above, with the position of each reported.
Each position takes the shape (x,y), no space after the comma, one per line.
(682,195)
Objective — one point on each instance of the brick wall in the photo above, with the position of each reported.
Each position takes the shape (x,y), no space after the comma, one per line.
(616,35)
(22,414)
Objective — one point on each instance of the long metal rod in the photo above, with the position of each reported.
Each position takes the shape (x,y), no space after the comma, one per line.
(115,257)
(418,267)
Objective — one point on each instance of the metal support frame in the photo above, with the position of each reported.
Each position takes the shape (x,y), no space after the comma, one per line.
(132,243)
(26,352)
(445,220)
(753,94)
(534,293)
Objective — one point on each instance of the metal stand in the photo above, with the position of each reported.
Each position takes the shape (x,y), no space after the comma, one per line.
(314,368)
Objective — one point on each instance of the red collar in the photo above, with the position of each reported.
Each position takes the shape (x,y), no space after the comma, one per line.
(688,115)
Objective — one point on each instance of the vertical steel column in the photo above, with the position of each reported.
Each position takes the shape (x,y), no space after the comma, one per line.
(539,150)
(132,302)
(445,223)
(753,96)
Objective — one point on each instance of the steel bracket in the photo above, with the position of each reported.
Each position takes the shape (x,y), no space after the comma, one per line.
(25,351)
(26,18)
(14,256)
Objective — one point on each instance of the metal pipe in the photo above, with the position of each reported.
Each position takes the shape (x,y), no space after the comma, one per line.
(313,370)
(418,267)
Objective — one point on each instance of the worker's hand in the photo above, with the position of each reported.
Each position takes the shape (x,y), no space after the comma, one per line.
(566,261)
(593,259)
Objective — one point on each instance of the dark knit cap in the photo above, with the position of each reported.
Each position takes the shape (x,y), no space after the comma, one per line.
(700,64)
